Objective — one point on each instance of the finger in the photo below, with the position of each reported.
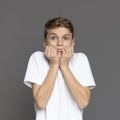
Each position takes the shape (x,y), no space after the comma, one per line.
(72,50)
(55,51)
(67,51)
(52,51)
(63,51)
(46,50)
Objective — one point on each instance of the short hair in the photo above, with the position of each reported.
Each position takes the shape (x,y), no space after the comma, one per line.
(58,22)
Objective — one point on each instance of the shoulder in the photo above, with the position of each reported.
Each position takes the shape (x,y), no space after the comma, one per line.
(37,56)
(80,55)
(79,58)
(37,53)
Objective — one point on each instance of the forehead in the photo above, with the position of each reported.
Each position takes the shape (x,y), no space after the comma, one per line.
(59,31)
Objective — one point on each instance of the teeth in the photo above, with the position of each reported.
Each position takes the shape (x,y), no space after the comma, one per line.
(59,50)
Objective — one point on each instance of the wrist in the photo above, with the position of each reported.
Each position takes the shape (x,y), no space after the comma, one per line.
(64,67)
(54,65)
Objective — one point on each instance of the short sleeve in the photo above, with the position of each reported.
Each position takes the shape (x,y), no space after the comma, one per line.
(84,72)
(32,74)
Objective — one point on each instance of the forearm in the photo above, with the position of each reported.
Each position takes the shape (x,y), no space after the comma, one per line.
(44,92)
(80,94)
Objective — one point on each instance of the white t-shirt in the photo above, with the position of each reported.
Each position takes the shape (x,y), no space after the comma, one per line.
(61,105)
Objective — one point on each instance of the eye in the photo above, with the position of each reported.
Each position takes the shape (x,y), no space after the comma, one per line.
(53,38)
(66,38)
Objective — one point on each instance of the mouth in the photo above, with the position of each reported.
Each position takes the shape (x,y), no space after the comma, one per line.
(59,50)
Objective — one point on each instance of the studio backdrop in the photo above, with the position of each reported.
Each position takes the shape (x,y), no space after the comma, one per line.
(97,34)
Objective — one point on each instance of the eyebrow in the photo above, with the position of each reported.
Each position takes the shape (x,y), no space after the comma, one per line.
(52,34)
(56,34)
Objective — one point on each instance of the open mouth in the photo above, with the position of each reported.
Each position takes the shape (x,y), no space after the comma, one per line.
(59,50)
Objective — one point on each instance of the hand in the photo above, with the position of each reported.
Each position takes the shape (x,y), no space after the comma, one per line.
(66,56)
(51,54)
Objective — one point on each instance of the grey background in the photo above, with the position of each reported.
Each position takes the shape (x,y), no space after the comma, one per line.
(97,33)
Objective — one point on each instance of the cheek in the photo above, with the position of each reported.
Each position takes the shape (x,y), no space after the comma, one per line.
(67,43)
(52,43)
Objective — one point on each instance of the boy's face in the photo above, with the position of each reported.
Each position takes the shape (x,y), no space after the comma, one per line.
(59,37)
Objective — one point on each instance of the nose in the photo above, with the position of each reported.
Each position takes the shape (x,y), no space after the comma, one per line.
(60,42)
